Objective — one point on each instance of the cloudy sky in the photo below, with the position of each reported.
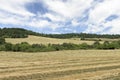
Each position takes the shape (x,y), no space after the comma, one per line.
(62,16)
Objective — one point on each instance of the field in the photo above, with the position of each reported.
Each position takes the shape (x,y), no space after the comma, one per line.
(43,40)
(61,65)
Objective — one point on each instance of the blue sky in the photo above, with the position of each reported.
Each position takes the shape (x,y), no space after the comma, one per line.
(62,16)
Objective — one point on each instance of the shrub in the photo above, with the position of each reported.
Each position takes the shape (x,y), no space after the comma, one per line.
(8,47)
(2,40)
(96,45)
(84,46)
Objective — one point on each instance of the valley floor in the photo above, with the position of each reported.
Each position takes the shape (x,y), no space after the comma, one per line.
(61,65)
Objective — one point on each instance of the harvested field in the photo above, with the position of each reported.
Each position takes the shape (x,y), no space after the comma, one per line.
(44,40)
(61,65)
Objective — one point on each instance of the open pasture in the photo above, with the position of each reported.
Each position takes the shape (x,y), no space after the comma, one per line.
(61,65)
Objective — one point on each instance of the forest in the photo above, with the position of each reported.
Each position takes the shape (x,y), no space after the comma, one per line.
(23,33)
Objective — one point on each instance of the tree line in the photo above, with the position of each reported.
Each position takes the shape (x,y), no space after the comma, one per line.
(81,35)
(16,33)
(26,47)
(23,33)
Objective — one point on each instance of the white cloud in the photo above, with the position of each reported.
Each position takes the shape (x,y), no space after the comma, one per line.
(115,26)
(105,9)
(15,7)
(40,23)
(98,15)
(6,18)
(75,22)
(54,17)
(14,12)
(63,14)
(68,9)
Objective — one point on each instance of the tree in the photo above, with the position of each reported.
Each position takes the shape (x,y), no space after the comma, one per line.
(82,38)
(2,40)
(96,44)
(84,46)
(8,46)
(24,46)
(16,47)
(110,45)
(2,48)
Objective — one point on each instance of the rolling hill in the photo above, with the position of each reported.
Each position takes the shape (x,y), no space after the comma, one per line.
(18,35)
(44,40)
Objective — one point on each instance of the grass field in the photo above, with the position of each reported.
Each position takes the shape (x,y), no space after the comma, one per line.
(61,65)
(44,40)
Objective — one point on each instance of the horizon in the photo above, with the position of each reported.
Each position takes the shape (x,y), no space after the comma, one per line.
(62,16)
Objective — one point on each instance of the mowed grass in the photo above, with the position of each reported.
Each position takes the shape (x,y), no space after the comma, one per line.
(44,40)
(61,65)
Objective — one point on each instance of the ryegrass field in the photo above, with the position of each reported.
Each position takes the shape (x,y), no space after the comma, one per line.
(61,65)
(44,40)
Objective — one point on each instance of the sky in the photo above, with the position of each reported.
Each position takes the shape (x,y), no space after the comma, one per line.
(62,16)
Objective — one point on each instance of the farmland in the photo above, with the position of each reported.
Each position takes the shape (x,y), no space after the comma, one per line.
(61,65)
(44,40)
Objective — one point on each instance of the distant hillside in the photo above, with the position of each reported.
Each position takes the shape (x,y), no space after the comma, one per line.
(15,33)
(23,33)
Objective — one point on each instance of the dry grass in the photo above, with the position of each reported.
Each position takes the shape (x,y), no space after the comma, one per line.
(61,65)
(43,40)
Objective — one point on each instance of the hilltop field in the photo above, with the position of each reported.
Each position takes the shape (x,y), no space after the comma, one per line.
(44,40)
(61,65)
(31,39)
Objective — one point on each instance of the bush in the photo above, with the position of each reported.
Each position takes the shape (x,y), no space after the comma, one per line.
(108,45)
(24,46)
(2,40)
(56,47)
(16,47)
(96,45)
(2,48)
(84,46)
(8,47)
